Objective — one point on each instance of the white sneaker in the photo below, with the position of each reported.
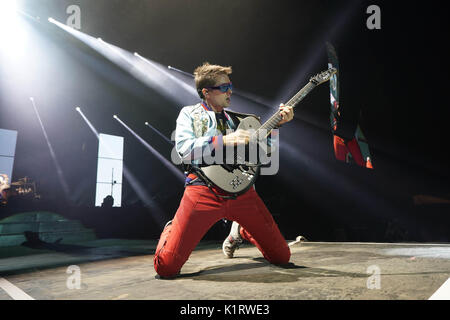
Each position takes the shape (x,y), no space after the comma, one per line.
(233,241)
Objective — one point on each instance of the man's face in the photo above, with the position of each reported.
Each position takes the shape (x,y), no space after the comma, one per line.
(217,97)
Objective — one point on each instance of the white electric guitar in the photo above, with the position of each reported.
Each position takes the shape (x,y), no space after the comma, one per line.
(237,177)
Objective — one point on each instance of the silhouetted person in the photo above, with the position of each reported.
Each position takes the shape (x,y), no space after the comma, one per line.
(108,202)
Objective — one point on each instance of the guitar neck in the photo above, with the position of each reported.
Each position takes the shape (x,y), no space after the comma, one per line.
(293,102)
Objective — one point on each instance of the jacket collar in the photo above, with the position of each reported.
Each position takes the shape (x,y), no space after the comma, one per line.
(207,108)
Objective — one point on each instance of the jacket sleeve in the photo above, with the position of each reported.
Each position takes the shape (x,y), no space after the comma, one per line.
(194,149)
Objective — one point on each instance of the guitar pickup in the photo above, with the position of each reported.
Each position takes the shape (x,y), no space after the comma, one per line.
(228,167)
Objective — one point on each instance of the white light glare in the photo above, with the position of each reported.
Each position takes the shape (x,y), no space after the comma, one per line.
(77,108)
(114,116)
(8,9)
(12,31)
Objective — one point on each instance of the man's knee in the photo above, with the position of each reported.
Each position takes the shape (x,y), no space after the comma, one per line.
(166,264)
(282,257)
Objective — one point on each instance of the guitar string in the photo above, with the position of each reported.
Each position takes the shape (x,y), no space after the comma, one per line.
(272,122)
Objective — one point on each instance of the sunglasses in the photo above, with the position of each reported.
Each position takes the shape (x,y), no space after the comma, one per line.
(223,87)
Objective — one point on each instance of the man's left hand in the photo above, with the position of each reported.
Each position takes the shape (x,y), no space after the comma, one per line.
(287,113)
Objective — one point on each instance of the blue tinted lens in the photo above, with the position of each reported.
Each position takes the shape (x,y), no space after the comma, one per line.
(225,87)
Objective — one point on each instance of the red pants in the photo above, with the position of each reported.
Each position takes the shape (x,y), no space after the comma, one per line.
(199,210)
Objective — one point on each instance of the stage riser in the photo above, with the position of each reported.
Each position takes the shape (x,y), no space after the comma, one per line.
(11,228)
(67,237)
(50,227)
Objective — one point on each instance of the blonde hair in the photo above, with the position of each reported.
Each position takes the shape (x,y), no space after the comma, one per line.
(206,75)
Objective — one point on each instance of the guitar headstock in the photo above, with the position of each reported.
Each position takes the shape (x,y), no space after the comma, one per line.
(324,76)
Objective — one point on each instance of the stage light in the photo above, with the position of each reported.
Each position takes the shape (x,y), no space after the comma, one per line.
(146,123)
(115,117)
(31,98)
(78,109)
(51,20)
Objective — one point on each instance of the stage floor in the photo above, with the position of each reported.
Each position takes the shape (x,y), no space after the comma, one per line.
(123,269)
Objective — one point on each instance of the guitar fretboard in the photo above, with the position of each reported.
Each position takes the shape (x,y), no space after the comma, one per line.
(276,118)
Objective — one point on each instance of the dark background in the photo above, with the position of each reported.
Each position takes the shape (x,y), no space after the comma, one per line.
(396,76)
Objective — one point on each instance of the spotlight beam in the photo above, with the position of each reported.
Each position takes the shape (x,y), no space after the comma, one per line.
(180,71)
(59,171)
(88,122)
(164,161)
(303,69)
(156,211)
(117,52)
(142,69)
(185,86)
(159,133)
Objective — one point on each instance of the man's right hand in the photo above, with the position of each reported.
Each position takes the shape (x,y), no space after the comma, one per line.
(236,138)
